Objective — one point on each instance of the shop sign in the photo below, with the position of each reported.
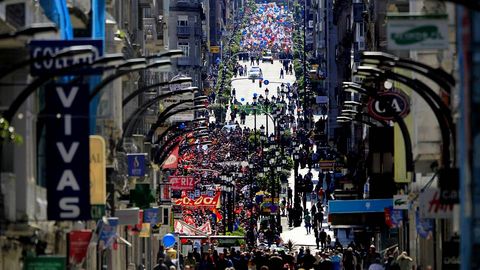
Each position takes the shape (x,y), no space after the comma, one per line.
(215,49)
(151,215)
(182,182)
(97,170)
(45,263)
(107,232)
(48,48)
(202,201)
(185,115)
(127,216)
(78,242)
(417,32)
(398,101)
(400,202)
(432,207)
(136,164)
(67,138)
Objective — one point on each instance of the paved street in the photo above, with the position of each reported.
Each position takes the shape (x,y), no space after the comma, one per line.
(245,89)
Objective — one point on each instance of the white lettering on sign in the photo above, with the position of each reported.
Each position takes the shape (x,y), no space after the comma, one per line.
(67,100)
(67,156)
(62,62)
(68,205)
(394,104)
(68,180)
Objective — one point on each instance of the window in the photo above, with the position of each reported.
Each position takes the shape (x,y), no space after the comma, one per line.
(185,48)
(182,20)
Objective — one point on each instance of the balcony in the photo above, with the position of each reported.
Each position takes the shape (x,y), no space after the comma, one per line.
(183,31)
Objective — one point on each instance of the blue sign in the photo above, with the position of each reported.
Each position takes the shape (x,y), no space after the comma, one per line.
(136,164)
(107,231)
(358,206)
(266,82)
(67,158)
(45,48)
(151,216)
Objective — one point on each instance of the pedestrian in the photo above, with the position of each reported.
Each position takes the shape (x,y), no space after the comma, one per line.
(281,73)
(329,241)
(290,69)
(323,238)
(307,219)
(243,116)
(404,262)
(313,209)
(252,60)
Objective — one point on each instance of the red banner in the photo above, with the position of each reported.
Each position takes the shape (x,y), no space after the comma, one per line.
(202,201)
(78,245)
(181,182)
(172,160)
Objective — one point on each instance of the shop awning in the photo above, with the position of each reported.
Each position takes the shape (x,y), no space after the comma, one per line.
(358,206)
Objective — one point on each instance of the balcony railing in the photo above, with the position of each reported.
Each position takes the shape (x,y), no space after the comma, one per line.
(183,31)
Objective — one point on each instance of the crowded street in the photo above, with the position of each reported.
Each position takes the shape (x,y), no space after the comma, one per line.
(239,135)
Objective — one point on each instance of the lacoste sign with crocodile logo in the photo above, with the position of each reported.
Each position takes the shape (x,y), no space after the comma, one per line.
(400,202)
(417,32)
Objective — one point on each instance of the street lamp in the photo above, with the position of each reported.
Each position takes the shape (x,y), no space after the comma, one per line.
(31,30)
(440,110)
(141,65)
(79,51)
(369,91)
(137,92)
(25,93)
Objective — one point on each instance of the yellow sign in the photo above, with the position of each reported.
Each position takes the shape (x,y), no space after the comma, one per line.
(145,232)
(97,170)
(215,49)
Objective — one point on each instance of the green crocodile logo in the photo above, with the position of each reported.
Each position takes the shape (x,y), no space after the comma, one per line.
(417,34)
(400,202)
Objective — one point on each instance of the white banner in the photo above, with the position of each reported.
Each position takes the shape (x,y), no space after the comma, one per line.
(431,207)
(417,32)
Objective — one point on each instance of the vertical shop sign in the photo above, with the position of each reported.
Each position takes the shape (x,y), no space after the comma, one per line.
(68,184)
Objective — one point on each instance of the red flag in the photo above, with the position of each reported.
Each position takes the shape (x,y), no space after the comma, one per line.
(172,160)
(78,245)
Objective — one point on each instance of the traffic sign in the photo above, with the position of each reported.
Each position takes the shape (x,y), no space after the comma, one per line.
(266,82)
(398,102)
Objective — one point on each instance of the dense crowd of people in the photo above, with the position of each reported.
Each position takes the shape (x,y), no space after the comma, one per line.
(351,257)
(270,29)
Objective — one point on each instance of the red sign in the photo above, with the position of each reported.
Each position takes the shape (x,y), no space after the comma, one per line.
(182,182)
(202,201)
(78,245)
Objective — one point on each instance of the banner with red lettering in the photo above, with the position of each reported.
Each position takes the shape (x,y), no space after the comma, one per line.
(182,227)
(78,244)
(202,201)
(181,182)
